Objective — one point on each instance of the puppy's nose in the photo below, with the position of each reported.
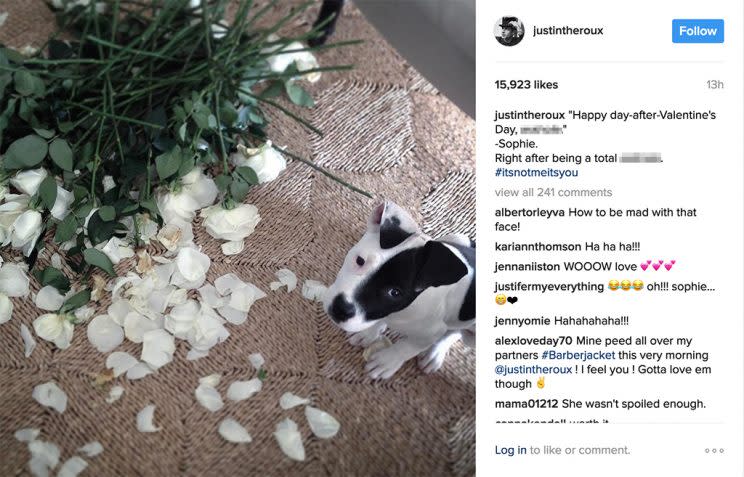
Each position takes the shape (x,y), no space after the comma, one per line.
(341,309)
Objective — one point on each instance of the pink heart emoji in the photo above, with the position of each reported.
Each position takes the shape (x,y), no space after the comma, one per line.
(668,266)
(673,262)
(661,261)
(644,266)
(656,266)
(648,261)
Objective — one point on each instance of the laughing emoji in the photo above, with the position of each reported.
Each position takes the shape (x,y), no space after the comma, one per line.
(614,284)
(638,285)
(625,285)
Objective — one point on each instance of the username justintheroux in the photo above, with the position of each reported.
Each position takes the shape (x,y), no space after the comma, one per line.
(566,30)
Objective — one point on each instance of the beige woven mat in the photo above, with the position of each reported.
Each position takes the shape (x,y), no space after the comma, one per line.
(386,130)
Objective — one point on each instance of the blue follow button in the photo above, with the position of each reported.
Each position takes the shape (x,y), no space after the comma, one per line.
(697,31)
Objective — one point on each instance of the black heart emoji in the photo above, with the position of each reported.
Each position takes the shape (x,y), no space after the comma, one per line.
(512,299)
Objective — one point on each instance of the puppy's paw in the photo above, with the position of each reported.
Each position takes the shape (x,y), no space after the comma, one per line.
(384,363)
(432,360)
(366,337)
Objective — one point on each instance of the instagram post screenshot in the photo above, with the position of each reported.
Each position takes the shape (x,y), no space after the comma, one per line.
(238,237)
(610,229)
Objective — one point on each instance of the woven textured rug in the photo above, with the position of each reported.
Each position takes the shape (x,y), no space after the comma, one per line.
(388,131)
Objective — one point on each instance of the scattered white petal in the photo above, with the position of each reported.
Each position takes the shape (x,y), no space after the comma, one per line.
(236,317)
(158,347)
(29,343)
(233,248)
(120,362)
(243,297)
(6,308)
(240,390)
(118,310)
(3,17)
(191,268)
(195,354)
(139,371)
(286,277)
(13,280)
(232,431)
(50,395)
(321,423)
(49,299)
(289,439)
(212,380)
(136,325)
(227,283)
(257,360)
(115,394)
(145,419)
(210,296)
(289,400)
(56,260)
(72,467)
(313,290)
(104,334)
(91,449)
(44,456)
(27,435)
(209,397)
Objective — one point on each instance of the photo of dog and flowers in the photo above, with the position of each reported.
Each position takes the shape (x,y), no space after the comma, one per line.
(228,246)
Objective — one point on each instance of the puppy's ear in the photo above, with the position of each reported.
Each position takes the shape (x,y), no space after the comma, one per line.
(393,223)
(437,265)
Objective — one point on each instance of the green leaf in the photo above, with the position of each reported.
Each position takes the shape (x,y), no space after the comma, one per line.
(223,182)
(45,133)
(187,163)
(61,154)
(100,230)
(52,276)
(212,121)
(182,132)
(77,300)
(48,192)
(247,174)
(262,374)
(66,229)
(25,152)
(274,90)
(239,189)
(27,84)
(107,213)
(96,258)
(298,95)
(168,163)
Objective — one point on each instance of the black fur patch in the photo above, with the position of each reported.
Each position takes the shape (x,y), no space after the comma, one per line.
(391,233)
(467,310)
(400,280)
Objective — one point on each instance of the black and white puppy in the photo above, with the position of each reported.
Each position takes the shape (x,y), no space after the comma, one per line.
(397,277)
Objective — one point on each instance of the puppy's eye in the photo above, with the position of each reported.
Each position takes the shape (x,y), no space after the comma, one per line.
(394,292)
(360,261)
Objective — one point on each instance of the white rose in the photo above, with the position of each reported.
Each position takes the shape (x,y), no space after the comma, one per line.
(116,250)
(55,328)
(266,161)
(26,231)
(9,212)
(62,204)
(304,60)
(197,191)
(233,224)
(29,181)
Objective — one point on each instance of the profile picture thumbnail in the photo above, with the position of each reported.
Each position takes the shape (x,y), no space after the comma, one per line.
(509,31)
